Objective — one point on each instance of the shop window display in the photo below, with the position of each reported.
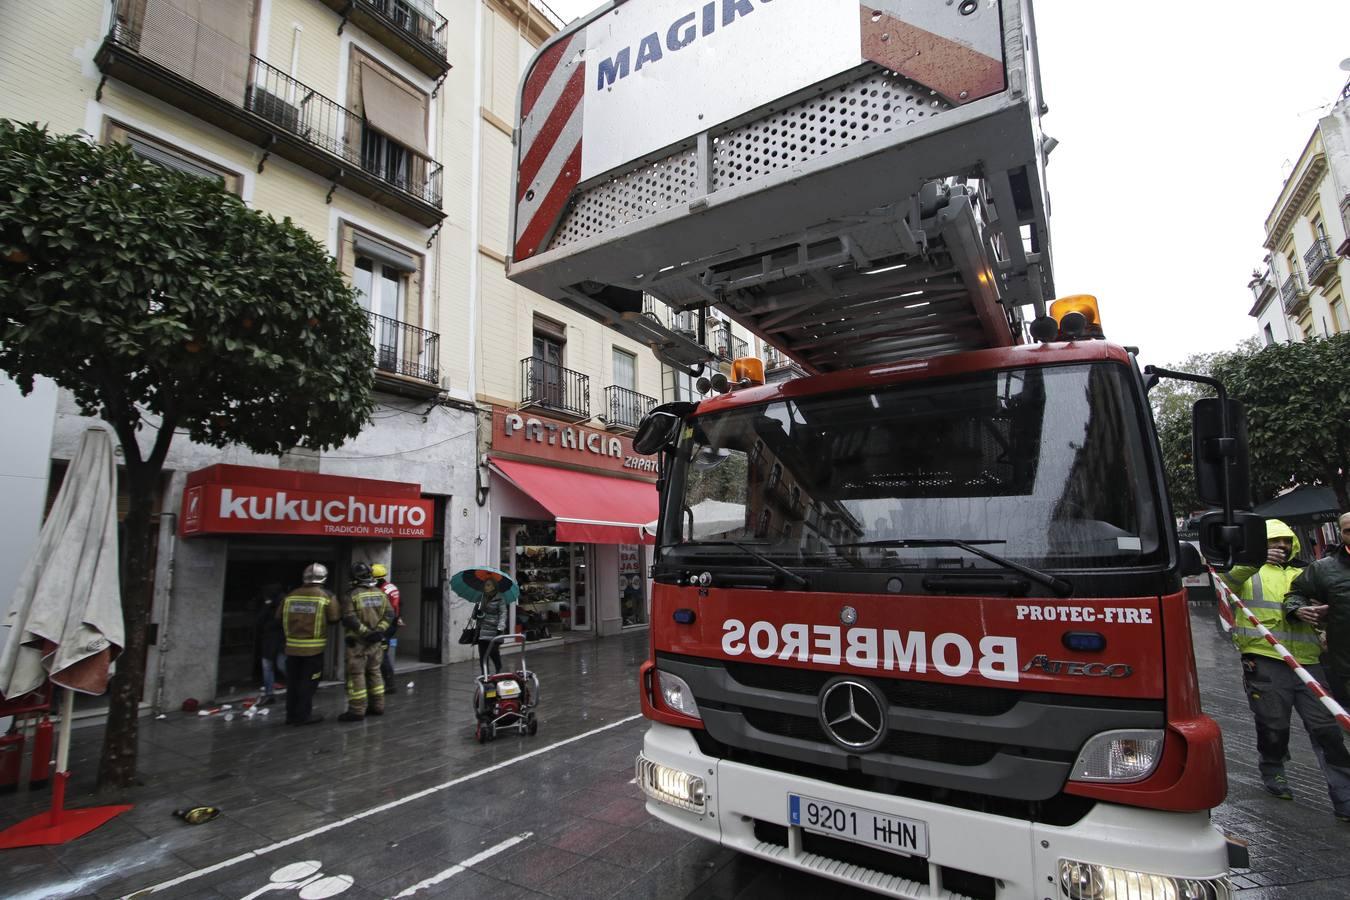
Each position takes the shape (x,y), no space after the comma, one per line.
(552,578)
(632,593)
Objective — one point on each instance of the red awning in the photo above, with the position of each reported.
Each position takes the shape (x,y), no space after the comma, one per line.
(589,508)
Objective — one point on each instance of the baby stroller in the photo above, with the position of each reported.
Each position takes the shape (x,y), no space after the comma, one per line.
(505,700)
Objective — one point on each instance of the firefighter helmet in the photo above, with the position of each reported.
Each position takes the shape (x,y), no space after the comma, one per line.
(379,571)
(315,573)
(361,573)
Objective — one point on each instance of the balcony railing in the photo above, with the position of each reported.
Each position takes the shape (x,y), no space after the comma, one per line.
(167,53)
(1319,261)
(405,349)
(624,409)
(287,103)
(412,28)
(728,345)
(1293,294)
(555,388)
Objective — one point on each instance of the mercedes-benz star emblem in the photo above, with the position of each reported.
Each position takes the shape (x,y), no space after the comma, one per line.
(853,714)
(848,615)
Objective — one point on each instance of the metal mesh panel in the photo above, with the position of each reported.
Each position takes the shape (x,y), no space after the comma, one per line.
(877,103)
(628,198)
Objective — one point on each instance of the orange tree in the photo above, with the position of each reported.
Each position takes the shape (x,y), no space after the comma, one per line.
(1298,411)
(163,304)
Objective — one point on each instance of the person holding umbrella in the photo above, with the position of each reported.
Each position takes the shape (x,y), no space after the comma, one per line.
(492,591)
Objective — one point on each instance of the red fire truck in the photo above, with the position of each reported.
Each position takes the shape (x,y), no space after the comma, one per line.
(917,621)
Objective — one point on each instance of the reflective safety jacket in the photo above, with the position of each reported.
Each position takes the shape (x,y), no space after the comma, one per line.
(304,615)
(366,609)
(1262,591)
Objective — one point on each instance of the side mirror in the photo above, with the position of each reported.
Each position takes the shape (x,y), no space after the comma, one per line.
(1243,543)
(1214,452)
(660,428)
(1192,563)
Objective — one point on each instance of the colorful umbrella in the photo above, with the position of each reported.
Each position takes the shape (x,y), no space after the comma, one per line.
(469,584)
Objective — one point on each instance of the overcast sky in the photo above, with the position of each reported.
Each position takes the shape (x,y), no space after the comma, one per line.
(1177,124)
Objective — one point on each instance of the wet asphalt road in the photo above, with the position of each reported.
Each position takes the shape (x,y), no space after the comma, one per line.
(410,801)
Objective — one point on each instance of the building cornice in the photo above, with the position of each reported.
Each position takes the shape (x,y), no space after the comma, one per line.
(1296,191)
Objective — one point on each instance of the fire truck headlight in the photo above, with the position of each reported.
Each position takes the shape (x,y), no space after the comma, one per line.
(675,693)
(1085,881)
(672,786)
(1119,756)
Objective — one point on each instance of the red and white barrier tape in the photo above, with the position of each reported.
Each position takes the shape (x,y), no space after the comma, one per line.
(1230,602)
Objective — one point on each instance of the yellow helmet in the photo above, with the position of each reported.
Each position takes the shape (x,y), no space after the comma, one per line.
(379,571)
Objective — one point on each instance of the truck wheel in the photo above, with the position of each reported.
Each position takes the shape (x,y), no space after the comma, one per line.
(478,733)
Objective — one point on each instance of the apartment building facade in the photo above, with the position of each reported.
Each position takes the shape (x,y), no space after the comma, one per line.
(1300,290)
(384,129)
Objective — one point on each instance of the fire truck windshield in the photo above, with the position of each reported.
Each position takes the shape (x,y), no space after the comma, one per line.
(1046,465)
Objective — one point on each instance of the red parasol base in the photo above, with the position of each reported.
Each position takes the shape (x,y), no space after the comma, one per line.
(58,825)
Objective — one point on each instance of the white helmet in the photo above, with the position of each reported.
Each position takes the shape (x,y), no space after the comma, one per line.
(315,573)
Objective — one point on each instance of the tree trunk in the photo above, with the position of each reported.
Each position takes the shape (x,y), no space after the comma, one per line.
(117,766)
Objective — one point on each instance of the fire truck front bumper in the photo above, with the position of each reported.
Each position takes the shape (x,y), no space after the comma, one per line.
(917,849)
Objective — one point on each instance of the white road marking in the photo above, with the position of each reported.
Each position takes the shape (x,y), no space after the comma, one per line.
(393,804)
(464,864)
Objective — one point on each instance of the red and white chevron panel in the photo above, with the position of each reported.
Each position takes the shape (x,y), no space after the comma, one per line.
(549,142)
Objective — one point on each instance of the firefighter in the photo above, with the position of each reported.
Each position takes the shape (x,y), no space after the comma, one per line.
(305,615)
(366,616)
(1273,689)
(381,574)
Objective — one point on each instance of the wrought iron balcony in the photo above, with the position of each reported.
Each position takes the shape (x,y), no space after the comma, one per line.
(406,350)
(166,53)
(411,28)
(624,409)
(728,345)
(778,367)
(1293,295)
(555,389)
(1320,261)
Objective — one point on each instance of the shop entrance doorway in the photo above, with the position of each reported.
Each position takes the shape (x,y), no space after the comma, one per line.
(253,566)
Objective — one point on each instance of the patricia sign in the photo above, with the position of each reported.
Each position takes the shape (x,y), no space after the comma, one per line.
(536,438)
(260,501)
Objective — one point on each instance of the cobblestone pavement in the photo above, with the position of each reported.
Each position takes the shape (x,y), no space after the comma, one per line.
(401,801)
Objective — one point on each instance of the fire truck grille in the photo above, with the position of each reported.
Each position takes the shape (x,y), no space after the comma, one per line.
(971,701)
(915,746)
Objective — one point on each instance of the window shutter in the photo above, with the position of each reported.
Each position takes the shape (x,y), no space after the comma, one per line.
(390,256)
(396,110)
(151,153)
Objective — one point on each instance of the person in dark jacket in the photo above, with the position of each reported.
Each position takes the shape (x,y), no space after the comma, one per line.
(272,638)
(1321,596)
(491,615)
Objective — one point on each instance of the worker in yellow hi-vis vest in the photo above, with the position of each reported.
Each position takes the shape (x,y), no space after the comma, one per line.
(366,616)
(1273,690)
(305,615)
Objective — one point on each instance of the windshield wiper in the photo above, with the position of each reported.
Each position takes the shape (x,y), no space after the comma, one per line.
(757,555)
(1061,587)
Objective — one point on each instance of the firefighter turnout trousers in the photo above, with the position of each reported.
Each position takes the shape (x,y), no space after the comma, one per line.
(365,687)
